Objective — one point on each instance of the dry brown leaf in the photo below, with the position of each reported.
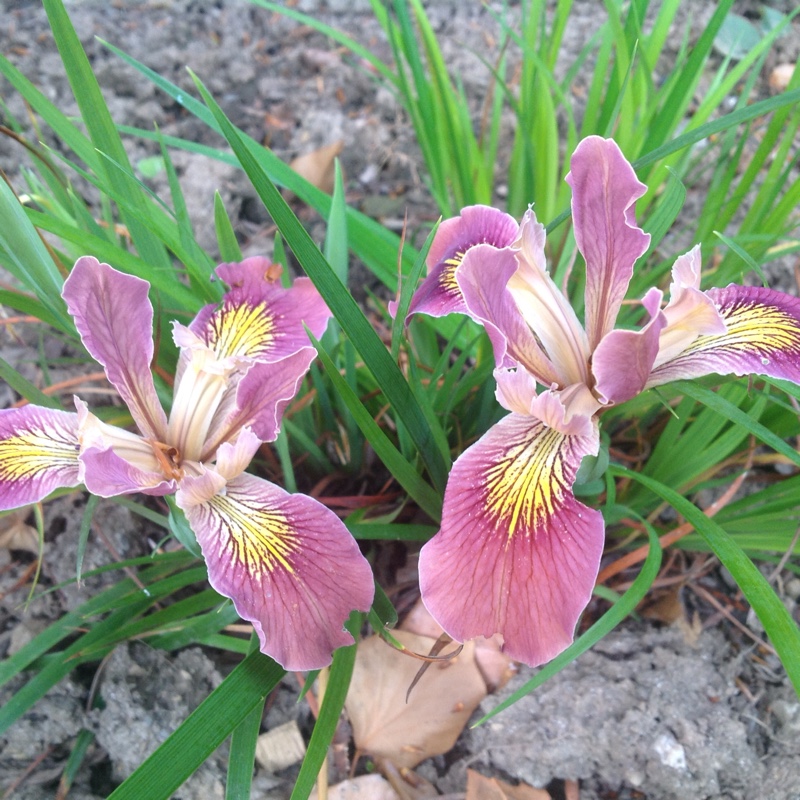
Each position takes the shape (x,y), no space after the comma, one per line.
(666,606)
(280,747)
(496,667)
(384,725)
(365,787)
(780,76)
(480,787)
(317,167)
(15,534)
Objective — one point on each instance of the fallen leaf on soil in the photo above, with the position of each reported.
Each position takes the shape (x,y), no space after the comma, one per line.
(496,667)
(365,787)
(384,725)
(317,167)
(481,788)
(780,76)
(15,534)
(280,747)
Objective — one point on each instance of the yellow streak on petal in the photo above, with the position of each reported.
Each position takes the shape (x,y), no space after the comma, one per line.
(241,330)
(447,280)
(757,329)
(526,486)
(258,540)
(29,452)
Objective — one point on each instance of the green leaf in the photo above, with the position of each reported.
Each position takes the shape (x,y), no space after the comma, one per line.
(203,731)
(405,474)
(341,671)
(241,759)
(24,387)
(732,412)
(339,300)
(778,623)
(736,37)
(102,130)
(179,527)
(744,255)
(227,242)
(26,256)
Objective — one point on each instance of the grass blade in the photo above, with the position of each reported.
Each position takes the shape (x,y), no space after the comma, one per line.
(202,731)
(339,300)
(778,623)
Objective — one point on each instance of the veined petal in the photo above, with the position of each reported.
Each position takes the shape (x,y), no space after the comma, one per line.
(690,313)
(115,321)
(262,395)
(516,389)
(624,359)
(517,554)
(604,192)
(258,319)
(38,454)
(546,309)
(200,390)
(482,278)
(568,411)
(762,337)
(439,294)
(115,461)
(287,562)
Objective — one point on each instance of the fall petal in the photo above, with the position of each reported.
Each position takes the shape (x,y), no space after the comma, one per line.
(38,454)
(439,294)
(624,359)
(482,279)
(114,318)
(259,319)
(517,554)
(287,562)
(604,192)
(762,337)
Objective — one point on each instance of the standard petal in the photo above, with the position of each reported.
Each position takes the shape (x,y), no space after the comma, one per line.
(517,554)
(546,308)
(259,319)
(762,337)
(690,313)
(482,279)
(261,397)
(115,461)
(604,192)
(624,359)
(439,294)
(115,321)
(38,454)
(516,389)
(287,562)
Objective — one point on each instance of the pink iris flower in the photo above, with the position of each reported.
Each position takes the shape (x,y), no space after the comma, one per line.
(287,562)
(514,541)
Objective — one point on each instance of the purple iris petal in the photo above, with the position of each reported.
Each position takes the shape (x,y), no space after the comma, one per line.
(38,454)
(517,554)
(604,192)
(439,293)
(762,337)
(115,321)
(287,562)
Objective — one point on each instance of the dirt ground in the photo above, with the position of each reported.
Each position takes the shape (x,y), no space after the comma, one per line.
(653,711)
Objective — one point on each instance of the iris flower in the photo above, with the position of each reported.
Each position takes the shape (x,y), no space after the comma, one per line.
(287,562)
(514,540)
